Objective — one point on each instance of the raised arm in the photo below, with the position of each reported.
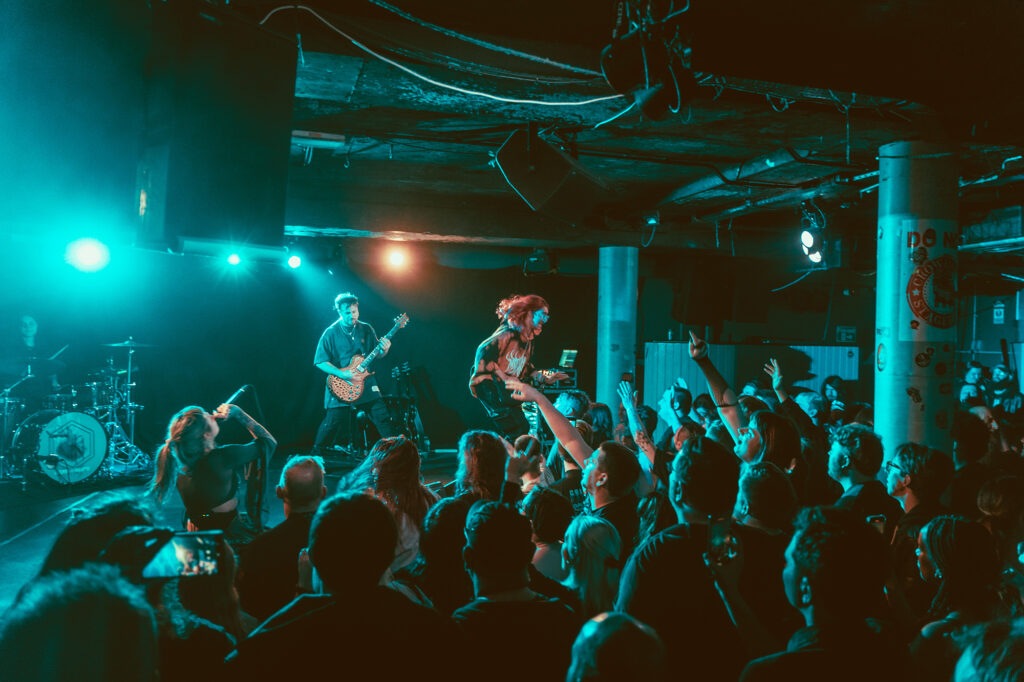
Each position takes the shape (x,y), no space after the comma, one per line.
(560,425)
(724,397)
(264,443)
(639,431)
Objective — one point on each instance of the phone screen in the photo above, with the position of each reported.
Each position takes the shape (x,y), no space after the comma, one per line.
(877,521)
(723,545)
(186,554)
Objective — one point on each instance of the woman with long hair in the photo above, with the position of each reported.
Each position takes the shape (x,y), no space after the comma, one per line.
(590,554)
(960,556)
(482,473)
(391,473)
(205,474)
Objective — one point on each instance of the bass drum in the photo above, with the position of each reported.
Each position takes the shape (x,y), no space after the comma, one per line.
(66,447)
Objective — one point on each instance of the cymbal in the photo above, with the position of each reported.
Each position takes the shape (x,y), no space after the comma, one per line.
(130,343)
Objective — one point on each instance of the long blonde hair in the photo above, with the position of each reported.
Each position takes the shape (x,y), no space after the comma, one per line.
(591,554)
(183,447)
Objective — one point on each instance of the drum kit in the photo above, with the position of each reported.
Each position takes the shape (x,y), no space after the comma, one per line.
(82,432)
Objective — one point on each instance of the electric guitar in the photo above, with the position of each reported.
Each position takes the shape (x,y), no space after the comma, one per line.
(349,391)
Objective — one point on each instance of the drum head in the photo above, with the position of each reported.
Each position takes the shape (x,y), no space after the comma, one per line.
(66,447)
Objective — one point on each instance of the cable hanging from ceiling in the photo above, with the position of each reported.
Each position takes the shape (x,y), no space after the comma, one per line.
(448,86)
(409,51)
(483,43)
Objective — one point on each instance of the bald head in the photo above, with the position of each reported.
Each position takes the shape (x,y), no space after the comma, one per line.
(616,646)
(302,484)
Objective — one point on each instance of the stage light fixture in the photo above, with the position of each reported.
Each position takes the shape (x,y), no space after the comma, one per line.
(812,235)
(540,262)
(87,254)
(397,258)
(294,261)
(234,259)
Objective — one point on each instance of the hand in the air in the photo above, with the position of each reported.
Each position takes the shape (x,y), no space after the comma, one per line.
(627,394)
(698,347)
(522,392)
(771,368)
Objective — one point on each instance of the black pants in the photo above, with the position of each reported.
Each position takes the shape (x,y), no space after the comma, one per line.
(336,417)
(505,411)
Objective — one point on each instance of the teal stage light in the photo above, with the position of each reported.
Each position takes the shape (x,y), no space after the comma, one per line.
(87,254)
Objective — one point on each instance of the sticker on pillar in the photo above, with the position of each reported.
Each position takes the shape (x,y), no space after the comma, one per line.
(881,357)
(931,292)
(915,396)
(942,419)
(941,368)
(945,389)
(924,359)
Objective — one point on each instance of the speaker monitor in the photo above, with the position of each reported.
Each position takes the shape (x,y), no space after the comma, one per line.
(214,161)
(548,179)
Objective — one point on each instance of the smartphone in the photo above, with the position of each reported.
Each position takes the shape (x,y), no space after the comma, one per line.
(187,554)
(723,545)
(877,521)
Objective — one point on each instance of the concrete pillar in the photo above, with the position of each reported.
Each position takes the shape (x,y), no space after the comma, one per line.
(915,308)
(618,269)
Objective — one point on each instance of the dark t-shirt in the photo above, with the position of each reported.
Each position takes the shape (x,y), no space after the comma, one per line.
(338,348)
(571,486)
(268,568)
(623,515)
(495,633)
(666,585)
(503,354)
(851,652)
(903,553)
(368,634)
(213,480)
(870,499)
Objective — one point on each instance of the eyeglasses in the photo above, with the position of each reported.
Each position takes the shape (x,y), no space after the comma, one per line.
(893,466)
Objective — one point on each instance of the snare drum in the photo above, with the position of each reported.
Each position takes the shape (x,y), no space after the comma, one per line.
(66,447)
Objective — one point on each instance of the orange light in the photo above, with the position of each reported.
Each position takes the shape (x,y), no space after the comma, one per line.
(397,258)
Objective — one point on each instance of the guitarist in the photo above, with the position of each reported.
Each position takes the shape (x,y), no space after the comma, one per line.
(506,354)
(339,343)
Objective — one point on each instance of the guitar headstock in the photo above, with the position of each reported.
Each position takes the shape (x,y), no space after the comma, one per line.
(401,321)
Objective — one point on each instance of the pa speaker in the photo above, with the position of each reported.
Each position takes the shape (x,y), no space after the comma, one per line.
(214,162)
(548,179)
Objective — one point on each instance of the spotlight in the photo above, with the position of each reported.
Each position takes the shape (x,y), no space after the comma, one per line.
(234,259)
(87,255)
(294,262)
(396,258)
(812,236)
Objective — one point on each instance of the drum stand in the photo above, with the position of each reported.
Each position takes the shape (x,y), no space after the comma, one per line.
(8,467)
(123,450)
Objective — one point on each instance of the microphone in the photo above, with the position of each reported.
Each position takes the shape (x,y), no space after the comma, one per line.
(236,394)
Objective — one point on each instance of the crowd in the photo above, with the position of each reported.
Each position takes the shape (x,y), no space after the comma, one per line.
(763,535)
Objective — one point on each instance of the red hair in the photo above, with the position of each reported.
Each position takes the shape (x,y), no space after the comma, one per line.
(517,309)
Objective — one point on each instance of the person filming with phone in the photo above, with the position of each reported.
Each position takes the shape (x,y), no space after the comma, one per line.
(205,474)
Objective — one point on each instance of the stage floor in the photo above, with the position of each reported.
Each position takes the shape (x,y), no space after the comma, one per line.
(33,512)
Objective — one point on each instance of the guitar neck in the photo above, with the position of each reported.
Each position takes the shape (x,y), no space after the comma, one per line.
(378,348)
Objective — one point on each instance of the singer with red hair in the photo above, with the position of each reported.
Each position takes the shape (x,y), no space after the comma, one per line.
(506,354)
(204,473)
